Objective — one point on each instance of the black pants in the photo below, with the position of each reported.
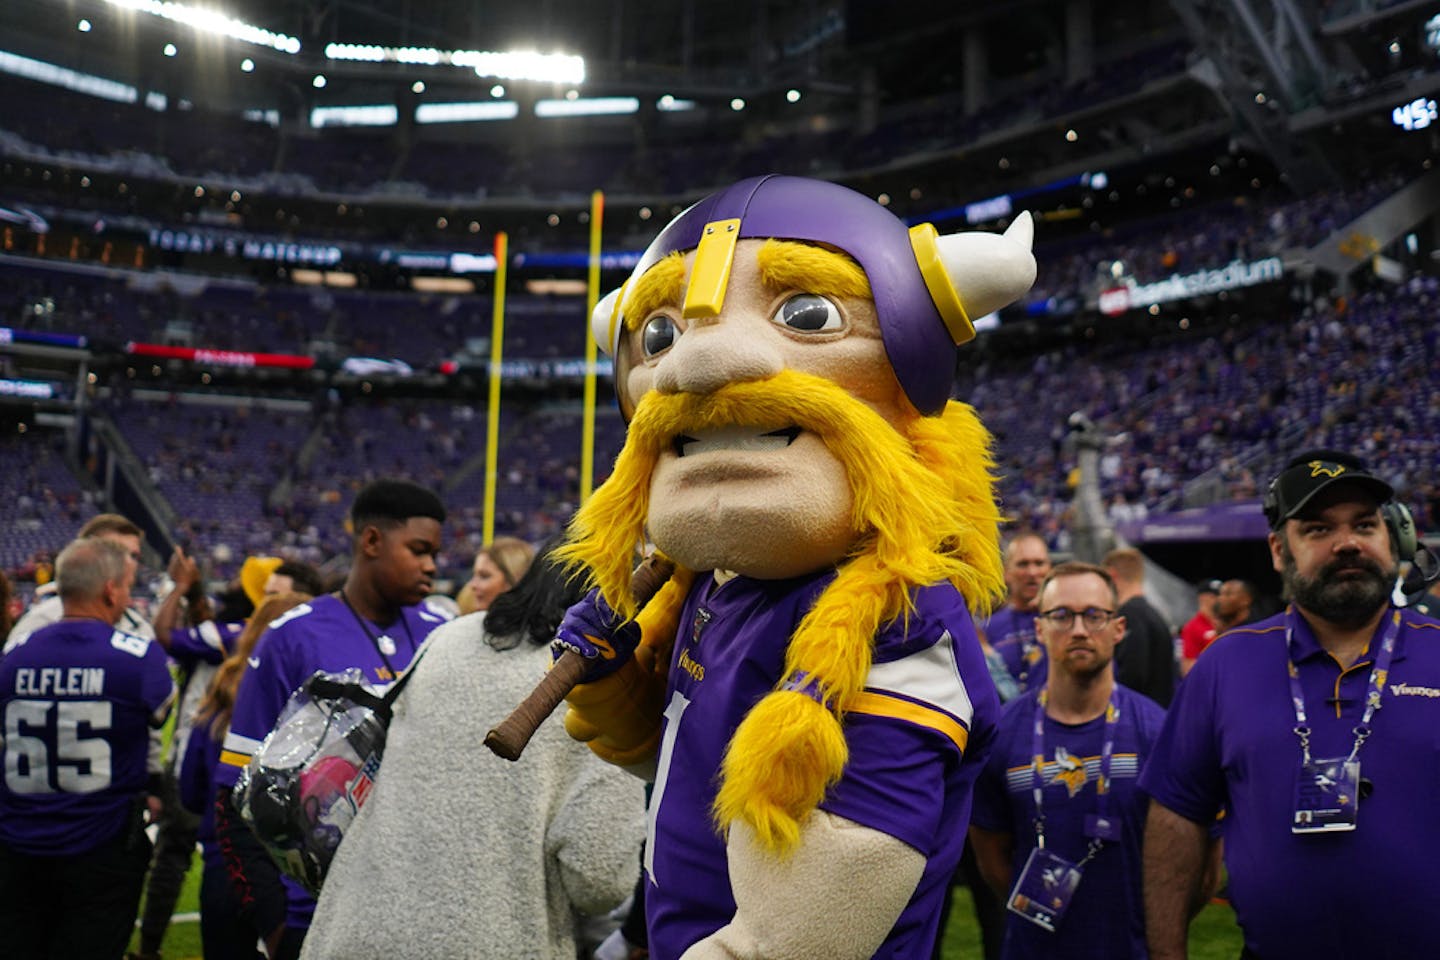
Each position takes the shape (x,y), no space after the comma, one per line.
(224,934)
(174,849)
(80,907)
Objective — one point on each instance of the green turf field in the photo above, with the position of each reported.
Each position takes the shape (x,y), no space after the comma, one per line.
(1213,935)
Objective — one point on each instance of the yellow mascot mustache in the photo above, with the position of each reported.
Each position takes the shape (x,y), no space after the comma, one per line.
(924,512)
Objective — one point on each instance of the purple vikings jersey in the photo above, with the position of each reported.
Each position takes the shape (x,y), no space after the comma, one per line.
(1229,741)
(322,634)
(1106,919)
(210,642)
(917,736)
(1012,633)
(79,700)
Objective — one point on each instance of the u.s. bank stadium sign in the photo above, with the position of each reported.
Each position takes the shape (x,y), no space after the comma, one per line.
(1232,276)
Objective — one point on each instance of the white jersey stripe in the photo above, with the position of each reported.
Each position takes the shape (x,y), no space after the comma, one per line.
(931,676)
(238,744)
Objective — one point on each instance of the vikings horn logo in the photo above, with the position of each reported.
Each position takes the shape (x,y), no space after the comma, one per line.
(1319,467)
(1069,770)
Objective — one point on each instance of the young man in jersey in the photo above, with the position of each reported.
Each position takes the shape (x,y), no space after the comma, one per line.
(1060,744)
(1010,631)
(810,693)
(375,622)
(79,701)
(1315,730)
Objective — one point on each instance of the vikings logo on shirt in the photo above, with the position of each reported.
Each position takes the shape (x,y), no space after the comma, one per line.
(1033,653)
(1072,771)
(1068,770)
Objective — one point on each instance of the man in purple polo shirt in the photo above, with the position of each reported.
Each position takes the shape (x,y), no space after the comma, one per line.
(1058,745)
(1315,731)
(78,700)
(1010,631)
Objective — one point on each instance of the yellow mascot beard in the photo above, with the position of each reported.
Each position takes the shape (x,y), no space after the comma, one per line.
(924,513)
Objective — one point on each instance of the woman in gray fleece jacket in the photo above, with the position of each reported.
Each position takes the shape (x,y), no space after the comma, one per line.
(458,854)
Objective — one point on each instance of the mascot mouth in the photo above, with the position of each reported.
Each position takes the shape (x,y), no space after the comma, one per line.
(734,439)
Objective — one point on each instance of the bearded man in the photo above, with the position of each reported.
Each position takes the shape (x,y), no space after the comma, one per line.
(1314,730)
(807,691)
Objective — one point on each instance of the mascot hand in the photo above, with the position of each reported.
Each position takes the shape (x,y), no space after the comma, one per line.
(594,631)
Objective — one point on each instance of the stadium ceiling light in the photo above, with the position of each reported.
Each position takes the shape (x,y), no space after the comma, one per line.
(466,112)
(211,21)
(88,84)
(418,86)
(247,65)
(737,104)
(589,107)
(497,91)
(792,96)
(83,26)
(668,104)
(498,65)
(370,115)
(318,82)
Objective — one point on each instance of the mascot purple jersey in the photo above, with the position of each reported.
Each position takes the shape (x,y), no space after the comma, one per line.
(929,704)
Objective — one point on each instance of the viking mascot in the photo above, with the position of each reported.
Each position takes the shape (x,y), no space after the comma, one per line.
(807,691)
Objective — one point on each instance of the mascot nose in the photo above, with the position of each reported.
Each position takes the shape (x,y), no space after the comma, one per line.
(712,353)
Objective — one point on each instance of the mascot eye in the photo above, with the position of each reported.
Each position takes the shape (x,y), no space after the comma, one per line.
(658,336)
(810,313)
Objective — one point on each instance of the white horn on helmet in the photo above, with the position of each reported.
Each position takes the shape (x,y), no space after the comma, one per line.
(605,321)
(971,274)
(990,270)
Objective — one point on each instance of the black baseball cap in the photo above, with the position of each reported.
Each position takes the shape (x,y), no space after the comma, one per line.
(1309,473)
(1208,586)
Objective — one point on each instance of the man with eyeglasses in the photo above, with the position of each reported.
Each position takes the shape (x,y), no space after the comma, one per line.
(48,609)
(1315,730)
(1058,818)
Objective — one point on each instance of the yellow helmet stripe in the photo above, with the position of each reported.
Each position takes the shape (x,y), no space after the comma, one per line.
(711,273)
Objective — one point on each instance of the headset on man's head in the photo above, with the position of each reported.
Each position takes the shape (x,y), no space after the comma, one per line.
(1398,521)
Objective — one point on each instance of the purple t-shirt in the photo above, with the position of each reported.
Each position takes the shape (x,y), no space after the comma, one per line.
(79,699)
(322,634)
(1106,920)
(916,739)
(1229,741)
(1012,633)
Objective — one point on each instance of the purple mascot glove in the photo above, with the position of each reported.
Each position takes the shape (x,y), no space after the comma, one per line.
(594,631)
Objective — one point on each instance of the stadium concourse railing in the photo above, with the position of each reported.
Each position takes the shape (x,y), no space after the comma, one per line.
(126,487)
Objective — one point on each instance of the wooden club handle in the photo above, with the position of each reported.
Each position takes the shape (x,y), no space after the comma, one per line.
(509,737)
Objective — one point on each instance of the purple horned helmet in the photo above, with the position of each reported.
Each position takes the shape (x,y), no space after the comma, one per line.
(928,288)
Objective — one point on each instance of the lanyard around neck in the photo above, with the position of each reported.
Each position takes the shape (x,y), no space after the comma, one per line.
(374,637)
(1379,670)
(1037,767)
